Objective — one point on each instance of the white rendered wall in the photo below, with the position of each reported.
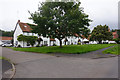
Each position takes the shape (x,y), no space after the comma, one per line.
(17,32)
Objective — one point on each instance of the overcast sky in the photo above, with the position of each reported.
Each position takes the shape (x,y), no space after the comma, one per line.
(100,11)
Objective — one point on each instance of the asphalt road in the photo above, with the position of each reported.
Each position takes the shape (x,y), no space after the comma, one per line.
(6,66)
(0,64)
(34,65)
(0,69)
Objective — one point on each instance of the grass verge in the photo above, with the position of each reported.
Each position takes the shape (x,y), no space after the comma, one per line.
(114,50)
(3,58)
(0,57)
(75,49)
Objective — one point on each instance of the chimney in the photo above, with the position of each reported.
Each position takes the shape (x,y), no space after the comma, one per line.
(18,21)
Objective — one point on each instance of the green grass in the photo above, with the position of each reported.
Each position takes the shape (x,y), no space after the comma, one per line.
(0,57)
(114,50)
(79,49)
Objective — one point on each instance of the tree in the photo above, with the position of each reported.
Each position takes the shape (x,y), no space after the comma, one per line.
(100,33)
(117,40)
(21,38)
(28,39)
(31,40)
(118,32)
(86,32)
(6,33)
(59,19)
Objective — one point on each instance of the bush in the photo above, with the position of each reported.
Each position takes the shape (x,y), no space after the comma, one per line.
(37,46)
(71,43)
(105,42)
(19,46)
(117,40)
(54,45)
(79,43)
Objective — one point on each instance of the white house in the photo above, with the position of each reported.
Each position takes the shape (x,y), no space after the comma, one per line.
(25,29)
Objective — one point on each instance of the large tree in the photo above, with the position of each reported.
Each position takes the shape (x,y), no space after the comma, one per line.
(59,19)
(86,32)
(100,33)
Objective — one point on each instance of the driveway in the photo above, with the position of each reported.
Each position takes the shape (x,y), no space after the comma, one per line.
(34,65)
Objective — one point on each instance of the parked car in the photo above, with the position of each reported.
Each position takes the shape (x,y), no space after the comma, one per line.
(6,45)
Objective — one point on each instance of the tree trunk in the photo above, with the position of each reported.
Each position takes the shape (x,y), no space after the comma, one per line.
(23,44)
(60,43)
(38,43)
(65,42)
(100,42)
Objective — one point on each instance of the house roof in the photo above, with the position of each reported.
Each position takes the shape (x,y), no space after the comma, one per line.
(51,39)
(76,35)
(115,35)
(6,38)
(83,36)
(114,32)
(25,27)
(89,37)
(85,39)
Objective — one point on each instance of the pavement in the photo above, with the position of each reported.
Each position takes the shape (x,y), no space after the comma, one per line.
(35,65)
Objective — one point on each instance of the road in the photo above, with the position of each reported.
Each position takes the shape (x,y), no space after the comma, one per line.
(35,65)
(0,64)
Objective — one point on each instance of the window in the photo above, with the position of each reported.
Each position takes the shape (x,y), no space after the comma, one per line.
(25,26)
(32,34)
(16,42)
(45,42)
(68,42)
(27,34)
(28,44)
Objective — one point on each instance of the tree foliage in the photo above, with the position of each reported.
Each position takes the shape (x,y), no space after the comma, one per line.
(6,33)
(59,19)
(118,32)
(100,33)
(117,40)
(86,32)
(29,39)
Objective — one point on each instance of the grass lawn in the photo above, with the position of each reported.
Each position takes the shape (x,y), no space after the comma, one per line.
(79,49)
(114,50)
(0,57)
(3,58)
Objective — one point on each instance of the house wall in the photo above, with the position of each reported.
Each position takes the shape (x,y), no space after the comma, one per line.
(46,41)
(17,32)
(1,42)
(29,34)
(93,42)
(71,40)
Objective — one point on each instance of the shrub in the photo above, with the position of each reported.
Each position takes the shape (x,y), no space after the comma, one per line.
(37,46)
(105,42)
(79,43)
(19,46)
(117,40)
(54,45)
